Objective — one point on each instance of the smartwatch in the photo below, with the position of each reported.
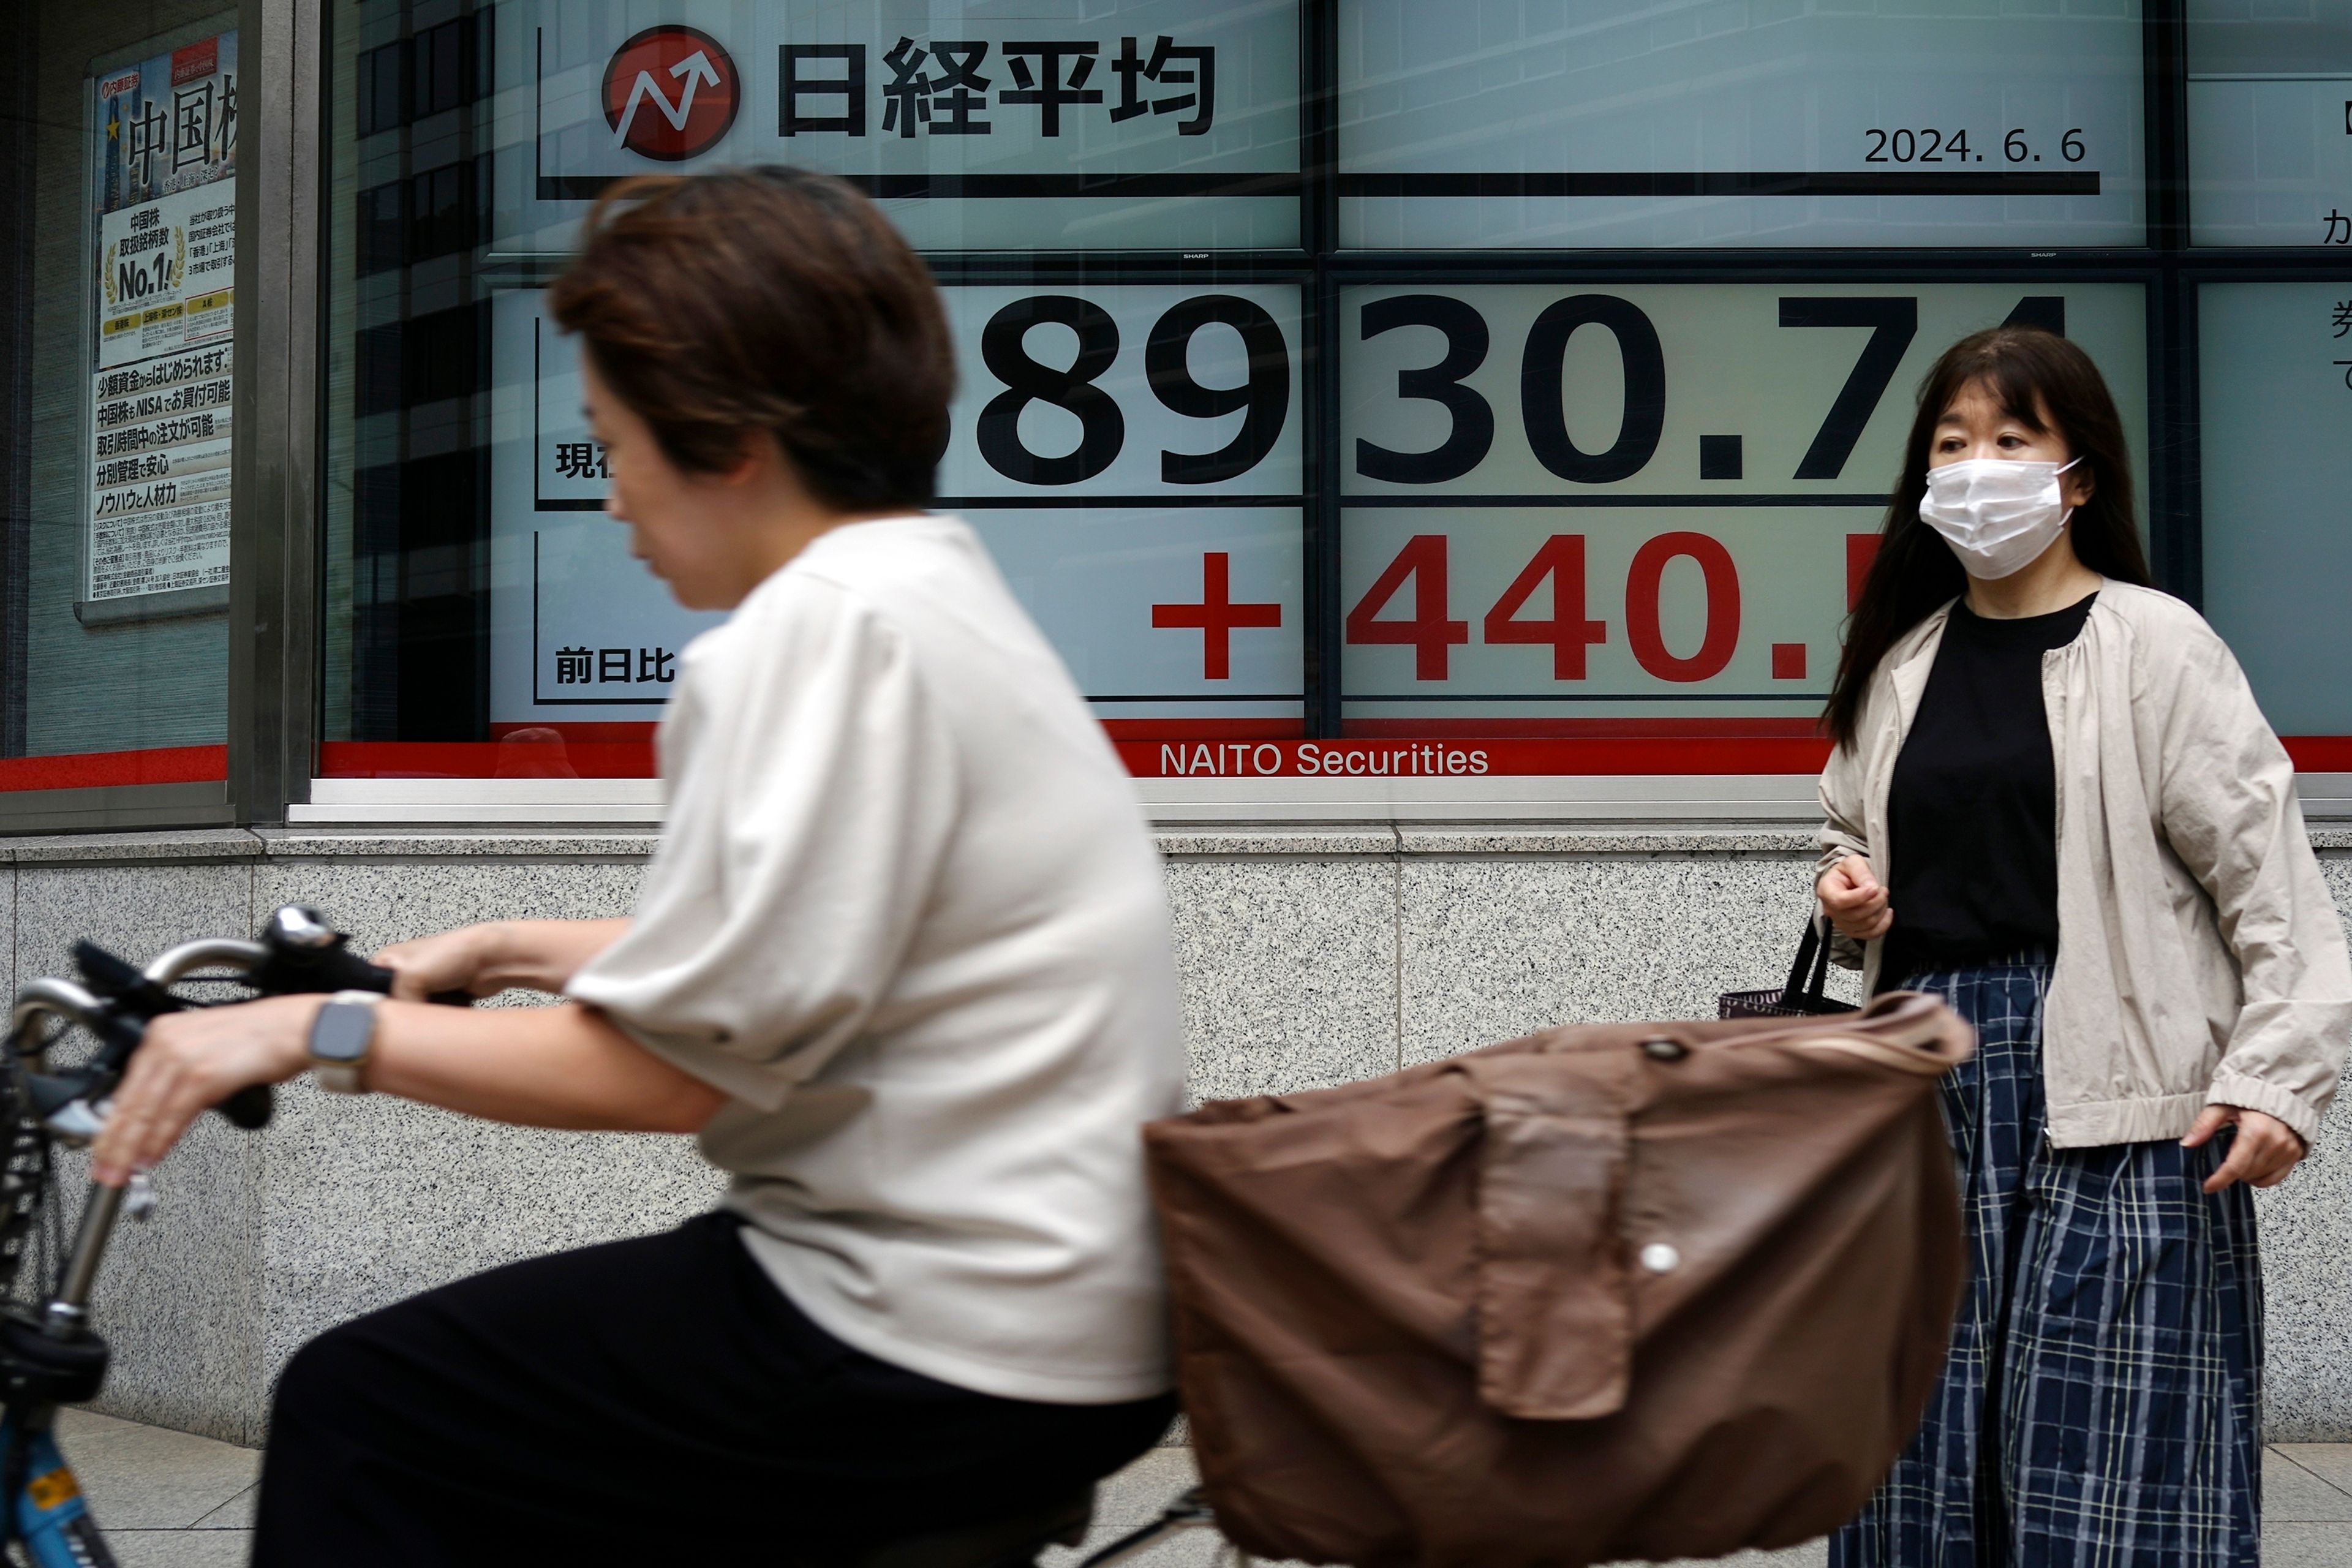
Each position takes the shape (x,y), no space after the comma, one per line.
(341,1037)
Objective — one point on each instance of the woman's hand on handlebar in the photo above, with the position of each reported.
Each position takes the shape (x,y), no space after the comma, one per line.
(484,960)
(1854,901)
(190,1062)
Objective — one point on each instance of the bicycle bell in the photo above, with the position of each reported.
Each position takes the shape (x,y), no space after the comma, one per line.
(299,926)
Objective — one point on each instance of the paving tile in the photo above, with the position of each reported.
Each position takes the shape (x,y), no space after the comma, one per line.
(235,1514)
(2292,1545)
(2331,1462)
(138,1478)
(1812,1554)
(2293,1494)
(151,1478)
(181,1548)
(1137,1494)
(1133,1497)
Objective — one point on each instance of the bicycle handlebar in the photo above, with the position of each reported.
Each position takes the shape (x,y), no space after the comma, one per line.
(298,953)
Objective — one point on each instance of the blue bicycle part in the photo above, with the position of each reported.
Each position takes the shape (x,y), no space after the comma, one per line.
(52,1519)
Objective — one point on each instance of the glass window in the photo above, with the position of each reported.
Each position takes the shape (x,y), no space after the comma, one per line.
(116,318)
(1633,513)
(1272,499)
(2275,364)
(1132,452)
(2270,122)
(1781,122)
(1146,124)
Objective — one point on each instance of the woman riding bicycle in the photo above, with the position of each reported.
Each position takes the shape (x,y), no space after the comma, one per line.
(901,961)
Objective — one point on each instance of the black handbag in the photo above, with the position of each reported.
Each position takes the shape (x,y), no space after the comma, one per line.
(1801,997)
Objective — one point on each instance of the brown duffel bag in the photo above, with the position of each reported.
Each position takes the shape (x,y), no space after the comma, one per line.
(1634,1290)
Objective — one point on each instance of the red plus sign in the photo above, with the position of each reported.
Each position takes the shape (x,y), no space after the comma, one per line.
(1216,614)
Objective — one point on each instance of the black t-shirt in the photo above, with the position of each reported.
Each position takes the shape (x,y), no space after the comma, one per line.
(1972,810)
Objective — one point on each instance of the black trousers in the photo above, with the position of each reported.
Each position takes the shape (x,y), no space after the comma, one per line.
(637,1402)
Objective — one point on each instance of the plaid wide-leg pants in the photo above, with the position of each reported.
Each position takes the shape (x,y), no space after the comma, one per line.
(2099,1406)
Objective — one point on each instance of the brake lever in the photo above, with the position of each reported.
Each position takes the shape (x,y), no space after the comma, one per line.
(132,1000)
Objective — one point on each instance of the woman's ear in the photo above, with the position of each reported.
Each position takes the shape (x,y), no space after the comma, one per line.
(2076,485)
(756,452)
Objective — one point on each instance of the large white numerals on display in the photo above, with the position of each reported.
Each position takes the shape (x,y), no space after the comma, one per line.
(1641,502)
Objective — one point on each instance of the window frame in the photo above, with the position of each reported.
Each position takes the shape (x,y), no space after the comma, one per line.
(273,465)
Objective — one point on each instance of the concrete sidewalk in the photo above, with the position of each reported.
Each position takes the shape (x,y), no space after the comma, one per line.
(170,1500)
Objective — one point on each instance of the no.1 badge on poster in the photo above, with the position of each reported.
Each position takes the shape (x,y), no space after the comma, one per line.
(1639,503)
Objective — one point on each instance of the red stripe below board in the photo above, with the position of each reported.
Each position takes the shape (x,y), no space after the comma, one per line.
(107,769)
(535,753)
(2320,753)
(1580,728)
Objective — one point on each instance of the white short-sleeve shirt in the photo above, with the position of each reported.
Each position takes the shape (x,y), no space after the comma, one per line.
(906,913)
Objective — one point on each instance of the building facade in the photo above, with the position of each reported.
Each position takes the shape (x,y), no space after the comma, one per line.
(1442,437)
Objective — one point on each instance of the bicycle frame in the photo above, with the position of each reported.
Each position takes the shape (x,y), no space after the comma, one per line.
(53,1358)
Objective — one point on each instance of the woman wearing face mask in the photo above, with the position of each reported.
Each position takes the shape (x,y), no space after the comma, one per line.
(2054,801)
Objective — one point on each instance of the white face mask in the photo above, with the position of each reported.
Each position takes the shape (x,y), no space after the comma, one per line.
(1998,514)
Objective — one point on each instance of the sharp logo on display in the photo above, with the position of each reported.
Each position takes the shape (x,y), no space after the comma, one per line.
(670,93)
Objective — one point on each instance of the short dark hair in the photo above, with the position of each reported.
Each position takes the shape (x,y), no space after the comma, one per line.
(767,300)
(2034,375)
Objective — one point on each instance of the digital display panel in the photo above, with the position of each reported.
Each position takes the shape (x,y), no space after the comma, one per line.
(2275,367)
(1130,454)
(1689,122)
(2270,124)
(1638,508)
(1140,125)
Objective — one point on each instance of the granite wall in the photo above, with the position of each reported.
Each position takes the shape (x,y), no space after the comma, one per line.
(1309,957)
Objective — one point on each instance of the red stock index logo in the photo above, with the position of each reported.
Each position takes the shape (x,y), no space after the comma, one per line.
(670,93)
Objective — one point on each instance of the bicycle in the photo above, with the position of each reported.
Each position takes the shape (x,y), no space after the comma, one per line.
(51,1356)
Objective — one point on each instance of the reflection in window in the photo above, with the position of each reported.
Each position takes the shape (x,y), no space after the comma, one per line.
(2275,365)
(117,322)
(2270,124)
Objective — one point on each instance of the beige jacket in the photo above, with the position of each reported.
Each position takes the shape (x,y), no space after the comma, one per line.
(2200,960)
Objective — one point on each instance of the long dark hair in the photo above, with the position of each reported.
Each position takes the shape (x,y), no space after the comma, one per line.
(2037,376)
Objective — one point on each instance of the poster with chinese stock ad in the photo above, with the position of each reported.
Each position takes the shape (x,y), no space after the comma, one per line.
(164,257)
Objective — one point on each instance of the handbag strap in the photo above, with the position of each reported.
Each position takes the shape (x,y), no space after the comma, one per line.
(1813,955)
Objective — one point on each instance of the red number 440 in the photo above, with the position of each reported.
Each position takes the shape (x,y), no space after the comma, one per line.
(1431,632)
